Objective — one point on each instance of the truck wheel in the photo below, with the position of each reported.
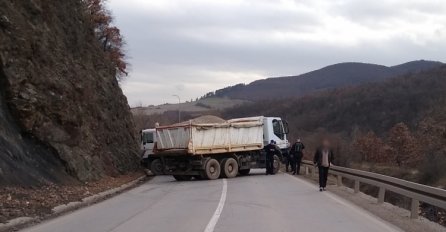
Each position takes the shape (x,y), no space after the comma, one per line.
(182,177)
(244,172)
(276,164)
(229,168)
(212,169)
(156,167)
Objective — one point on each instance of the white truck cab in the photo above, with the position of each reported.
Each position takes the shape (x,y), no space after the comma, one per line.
(148,140)
(274,128)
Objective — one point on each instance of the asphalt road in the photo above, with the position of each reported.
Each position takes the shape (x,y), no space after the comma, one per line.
(254,203)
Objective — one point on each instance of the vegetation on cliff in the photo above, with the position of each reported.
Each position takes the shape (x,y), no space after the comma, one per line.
(68,115)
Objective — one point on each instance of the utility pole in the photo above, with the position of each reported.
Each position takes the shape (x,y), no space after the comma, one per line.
(179,110)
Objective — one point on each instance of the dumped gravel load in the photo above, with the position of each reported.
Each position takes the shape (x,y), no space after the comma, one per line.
(203,119)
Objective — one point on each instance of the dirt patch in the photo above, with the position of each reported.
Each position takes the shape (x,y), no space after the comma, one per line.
(38,201)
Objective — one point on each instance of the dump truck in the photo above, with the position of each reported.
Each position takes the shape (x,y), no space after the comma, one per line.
(213,150)
(147,141)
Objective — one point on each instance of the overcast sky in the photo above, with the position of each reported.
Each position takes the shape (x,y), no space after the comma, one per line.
(191,47)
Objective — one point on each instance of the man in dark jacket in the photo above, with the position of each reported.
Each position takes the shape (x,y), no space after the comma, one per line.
(296,156)
(287,161)
(323,158)
(271,150)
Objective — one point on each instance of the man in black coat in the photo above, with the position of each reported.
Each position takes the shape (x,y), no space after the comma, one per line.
(296,156)
(323,158)
(271,150)
(287,161)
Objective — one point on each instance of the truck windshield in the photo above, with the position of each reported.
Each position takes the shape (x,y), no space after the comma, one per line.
(278,129)
(147,137)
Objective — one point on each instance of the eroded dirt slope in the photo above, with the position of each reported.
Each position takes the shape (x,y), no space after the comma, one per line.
(67,113)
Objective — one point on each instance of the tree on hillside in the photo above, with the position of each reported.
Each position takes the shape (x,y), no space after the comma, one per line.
(371,148)
(432,133)
(404,145)
(109,36)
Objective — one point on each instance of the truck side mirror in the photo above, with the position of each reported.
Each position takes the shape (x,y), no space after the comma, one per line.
(285,127)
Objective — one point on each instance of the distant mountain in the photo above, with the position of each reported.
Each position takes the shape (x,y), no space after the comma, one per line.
(375,106)
(347,114)
(333,76)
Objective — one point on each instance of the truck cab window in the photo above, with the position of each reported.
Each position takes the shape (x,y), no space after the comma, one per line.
(278,129)
(147,137)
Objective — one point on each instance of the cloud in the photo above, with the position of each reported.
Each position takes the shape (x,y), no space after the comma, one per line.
(191,47)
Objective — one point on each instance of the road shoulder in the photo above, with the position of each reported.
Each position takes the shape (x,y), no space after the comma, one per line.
(59,210)
(387,212)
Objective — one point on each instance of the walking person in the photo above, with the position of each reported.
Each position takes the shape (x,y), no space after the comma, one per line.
(271,150)
(323,159)
(297,153)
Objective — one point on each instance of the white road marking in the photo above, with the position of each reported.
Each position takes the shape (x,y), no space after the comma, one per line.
(353,207)
(211,225)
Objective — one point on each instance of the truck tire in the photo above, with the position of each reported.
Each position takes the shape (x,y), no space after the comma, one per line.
(212,169)
(244,172)
(156,167)
(229,168)
(182,177)
(276,164)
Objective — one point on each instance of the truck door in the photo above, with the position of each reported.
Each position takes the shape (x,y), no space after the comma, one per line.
(147,142)
(280,131)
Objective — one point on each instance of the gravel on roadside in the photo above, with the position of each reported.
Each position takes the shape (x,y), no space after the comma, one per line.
(39,201)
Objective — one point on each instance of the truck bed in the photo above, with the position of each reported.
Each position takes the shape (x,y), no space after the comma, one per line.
(236,135)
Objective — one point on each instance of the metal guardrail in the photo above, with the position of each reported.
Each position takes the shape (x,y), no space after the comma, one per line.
(416,192)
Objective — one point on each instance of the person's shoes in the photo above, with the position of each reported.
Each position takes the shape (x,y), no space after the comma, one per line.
(320,189)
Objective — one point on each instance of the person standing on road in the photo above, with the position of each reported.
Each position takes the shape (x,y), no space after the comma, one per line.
(297,154)
(271,150)
(287,161)
(323,159)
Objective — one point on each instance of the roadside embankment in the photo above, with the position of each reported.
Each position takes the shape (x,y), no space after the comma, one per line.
(21,206)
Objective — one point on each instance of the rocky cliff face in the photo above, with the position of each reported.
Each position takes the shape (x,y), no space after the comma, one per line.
(63,111)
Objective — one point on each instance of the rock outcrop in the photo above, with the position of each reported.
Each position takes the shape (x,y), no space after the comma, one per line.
(62,111)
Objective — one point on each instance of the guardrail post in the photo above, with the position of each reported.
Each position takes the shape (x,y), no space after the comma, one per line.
(356,186)
(381,195)
(313,172)
(307,171)
(414,207)
(339,182)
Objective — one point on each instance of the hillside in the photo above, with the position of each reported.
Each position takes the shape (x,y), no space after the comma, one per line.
(63,114)
(373,106)
(198,107)
(396,127)
(333,76)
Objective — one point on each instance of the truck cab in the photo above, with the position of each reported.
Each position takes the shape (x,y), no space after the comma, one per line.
(147,145)
(274,128)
